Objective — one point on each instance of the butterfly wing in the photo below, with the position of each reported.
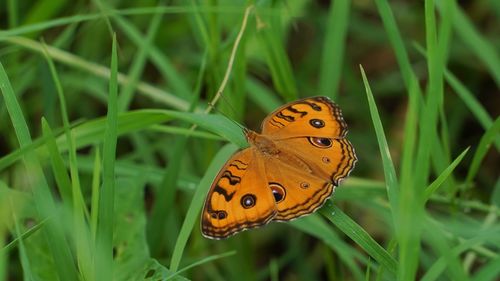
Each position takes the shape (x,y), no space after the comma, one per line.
(310,117)
(289,171)
(297,192)
(304,174)
(238,198)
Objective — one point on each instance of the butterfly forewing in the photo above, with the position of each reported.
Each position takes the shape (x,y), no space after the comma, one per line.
(310,117)
(236,200)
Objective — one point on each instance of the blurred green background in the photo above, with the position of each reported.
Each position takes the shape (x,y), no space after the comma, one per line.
(103,176)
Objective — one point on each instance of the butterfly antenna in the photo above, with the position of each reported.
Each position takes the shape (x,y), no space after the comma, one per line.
(225,115)
(229,105)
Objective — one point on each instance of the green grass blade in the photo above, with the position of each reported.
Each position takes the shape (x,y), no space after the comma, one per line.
(43,10)
(184,132)
(165,200)
(76,62)
(92,131)
(315,226)
(4,262)
(490,271)
(359,236)
(437,239)
(389,170)
(104,239)
(202,261)
(333,48)
(484,144)
(44,201)
(193,212)
(104,11)
(274,270)
(472,103)
(25,263)
(443,176)
(80,212)
(396,40)
(412,86)
(137,67)
(13,13)
(271,38)
(12,244)
(445,29)
(481,47)
(440,265)
(59,169)
(410,136)
(176,81)
(468,98)
(96,183)
(261,95)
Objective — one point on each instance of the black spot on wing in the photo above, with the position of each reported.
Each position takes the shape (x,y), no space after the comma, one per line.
(302,113)
(313,105)
(237,167)
(223,192)
(285,117)
(276,123)
(232,178)
(240,162)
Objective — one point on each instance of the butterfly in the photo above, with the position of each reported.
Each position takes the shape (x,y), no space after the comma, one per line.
(288,171)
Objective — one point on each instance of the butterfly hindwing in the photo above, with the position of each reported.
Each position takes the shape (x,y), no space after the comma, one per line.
(305,173)
(297,190)
(328,158)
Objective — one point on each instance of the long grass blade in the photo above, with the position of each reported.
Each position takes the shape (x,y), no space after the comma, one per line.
(137,67)
(104,240)
(431,189)
(470,35)
(58,55)
(389,170)
(200,262)
(197,203)
(44,201)
(359,235)
(484,144)
(333,48)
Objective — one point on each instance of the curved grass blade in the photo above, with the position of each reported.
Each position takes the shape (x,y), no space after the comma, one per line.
(23,236)
(318,228)
(389,170)
(483,146)
(197,203)
(443,176)
(359,235)
(202,261)
(44,202)
(92,132)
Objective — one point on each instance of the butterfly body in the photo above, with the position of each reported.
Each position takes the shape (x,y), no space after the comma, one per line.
(261,144)
(289,170)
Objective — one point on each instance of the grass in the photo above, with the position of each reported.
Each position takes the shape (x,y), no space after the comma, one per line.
(108,149)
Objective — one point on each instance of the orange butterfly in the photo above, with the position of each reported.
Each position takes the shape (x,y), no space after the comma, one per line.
(288,171)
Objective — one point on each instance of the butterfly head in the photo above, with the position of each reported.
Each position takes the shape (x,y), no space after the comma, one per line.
(262,143)
(249,135)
